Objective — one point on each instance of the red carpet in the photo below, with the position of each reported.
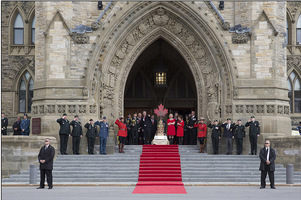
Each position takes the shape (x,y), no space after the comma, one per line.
(160,171)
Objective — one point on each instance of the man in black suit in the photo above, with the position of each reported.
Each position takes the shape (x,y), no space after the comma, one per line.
(64,133)
(192,136)
(154,126)
(45,157)
(17,126)
(267,157)
(147,127)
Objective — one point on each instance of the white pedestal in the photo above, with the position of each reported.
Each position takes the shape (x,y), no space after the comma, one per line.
(160,140)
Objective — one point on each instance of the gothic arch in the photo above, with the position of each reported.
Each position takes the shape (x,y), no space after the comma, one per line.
(188,36)
(17,10)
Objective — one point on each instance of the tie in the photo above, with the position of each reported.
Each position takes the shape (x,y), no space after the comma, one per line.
(228,126)
(268,154)
(46,147)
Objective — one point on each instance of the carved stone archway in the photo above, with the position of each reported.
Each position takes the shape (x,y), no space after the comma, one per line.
(162,22)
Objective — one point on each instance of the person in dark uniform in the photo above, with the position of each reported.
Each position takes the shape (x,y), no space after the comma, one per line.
(146,127)
(134,129)
(267,157)
(45,158)
(64,133)
(17,126)
(254,132)
(91,136)
(128,126)
(239,135)
(186,139)
(77,133)
(215,136)
(191,129)
(229,135)
(25,125)
(4,123)
(103,134)
(176,139)
(140,133)
(154,127)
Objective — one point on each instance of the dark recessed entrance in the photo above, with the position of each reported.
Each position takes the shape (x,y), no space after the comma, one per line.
(160,75)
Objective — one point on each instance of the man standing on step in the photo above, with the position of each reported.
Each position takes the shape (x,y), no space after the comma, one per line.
(91,136)
(254,132)
(215,136)
(191,130)
(122,133)
(267,157)
(239,135)
(202,133)
(77,133)
(64,133)
(134,129)
(45,158)
(228,134)
(25,125)
(103,134)
(147,127)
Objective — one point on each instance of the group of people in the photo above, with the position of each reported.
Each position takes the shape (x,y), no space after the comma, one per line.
(20,127)
(77,133)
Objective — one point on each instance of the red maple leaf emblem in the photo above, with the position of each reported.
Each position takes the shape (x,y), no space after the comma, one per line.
(161,112)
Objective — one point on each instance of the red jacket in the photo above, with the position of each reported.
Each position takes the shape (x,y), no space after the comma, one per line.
(122,128)
(180,129)
(202,129)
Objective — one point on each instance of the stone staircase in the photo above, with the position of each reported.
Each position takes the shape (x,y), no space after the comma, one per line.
(124,168)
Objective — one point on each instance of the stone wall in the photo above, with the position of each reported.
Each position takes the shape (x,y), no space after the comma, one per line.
(19,152)
(288,150)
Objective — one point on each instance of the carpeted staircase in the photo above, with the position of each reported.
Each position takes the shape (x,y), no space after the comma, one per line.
(160,170)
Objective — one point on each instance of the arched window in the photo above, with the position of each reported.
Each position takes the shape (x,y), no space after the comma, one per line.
(25,93)
(33,25)
(294,92)
(298,31)
(18,30)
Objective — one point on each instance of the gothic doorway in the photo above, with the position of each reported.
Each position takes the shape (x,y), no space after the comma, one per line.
(160,75)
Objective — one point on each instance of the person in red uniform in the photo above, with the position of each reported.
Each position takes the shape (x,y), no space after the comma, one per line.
(202,132)
(180,129)
(122,133)
(171,130)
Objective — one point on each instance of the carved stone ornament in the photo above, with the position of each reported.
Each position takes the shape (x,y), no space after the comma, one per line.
(80,38)
(240,38)
(226,26)
(94,26)
(293,62)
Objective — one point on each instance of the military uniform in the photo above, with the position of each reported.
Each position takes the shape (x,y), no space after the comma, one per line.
(215,136)
(103,135)
(239,134)
(25,124)
(228,134)
(64,134)
(77,132)
(4,123)
(191,130)
(254,130)
(134,131)
(91,135)
(128,126)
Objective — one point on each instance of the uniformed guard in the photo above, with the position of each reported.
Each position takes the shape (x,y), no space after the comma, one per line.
(254,132)
(128,126)
(134,130)
(122,133)
(77,133)
(215,136)
(202,133)
(103,134)
(239,135)
(4,123)
(229,135)
(64,133)
(25,125)
(91,136)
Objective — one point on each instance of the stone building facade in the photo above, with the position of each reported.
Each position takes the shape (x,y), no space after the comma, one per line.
(82,58)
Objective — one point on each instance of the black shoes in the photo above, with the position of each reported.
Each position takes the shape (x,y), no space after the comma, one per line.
(273,187)
(40,188)
(50,188)
(262,187)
